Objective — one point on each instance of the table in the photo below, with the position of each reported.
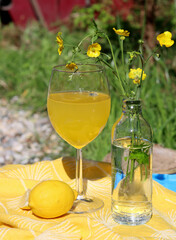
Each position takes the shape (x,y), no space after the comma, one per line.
(19,224)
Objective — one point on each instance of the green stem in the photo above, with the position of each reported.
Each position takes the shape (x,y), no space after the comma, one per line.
(132,143)
(84,39)
(133,137)
(73,56)
(118,76)
(153,52)
(138,130)
(141,171)
(123,62)
(138,92)
(143,65)
(121,45)
(146,174)
(107,64)
(132,170)
(127,171)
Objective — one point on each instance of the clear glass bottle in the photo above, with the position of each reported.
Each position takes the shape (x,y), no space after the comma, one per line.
(131,166)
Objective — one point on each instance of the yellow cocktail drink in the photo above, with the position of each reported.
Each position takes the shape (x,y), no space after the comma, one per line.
(78,117)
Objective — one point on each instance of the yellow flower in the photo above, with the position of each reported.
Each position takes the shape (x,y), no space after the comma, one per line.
(72,66)
(94,50)
(122,32)
(135,74)
(60,43)
(165,39)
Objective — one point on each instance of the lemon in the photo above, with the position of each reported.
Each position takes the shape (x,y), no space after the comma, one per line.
(51,198)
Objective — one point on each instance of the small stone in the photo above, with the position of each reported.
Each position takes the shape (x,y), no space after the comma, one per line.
(14,99)
(17,147)
(53,137)
(2,160)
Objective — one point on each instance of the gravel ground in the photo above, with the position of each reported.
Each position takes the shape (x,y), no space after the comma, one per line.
(25,137)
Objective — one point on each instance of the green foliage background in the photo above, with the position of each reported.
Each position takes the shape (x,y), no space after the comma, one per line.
(26,61)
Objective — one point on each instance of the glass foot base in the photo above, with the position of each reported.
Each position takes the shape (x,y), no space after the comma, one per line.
(131,220)
(86,205)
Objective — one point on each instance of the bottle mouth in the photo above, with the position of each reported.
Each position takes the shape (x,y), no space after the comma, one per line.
(132,102)
(132,106)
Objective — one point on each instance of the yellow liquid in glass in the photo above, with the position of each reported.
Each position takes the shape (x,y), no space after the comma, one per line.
(78,117)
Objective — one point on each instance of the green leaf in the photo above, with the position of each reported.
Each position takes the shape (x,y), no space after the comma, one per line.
(101,34)
(140,157)
(94,38)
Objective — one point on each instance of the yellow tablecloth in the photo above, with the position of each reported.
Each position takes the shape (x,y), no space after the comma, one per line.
(18,224)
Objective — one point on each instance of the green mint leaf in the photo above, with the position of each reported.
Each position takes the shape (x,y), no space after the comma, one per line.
(140,157)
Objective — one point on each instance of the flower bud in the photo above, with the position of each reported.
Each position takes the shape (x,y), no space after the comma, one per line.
(140,41)
(122,38)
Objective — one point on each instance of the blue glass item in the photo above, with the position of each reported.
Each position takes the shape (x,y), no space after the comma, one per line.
(167,180)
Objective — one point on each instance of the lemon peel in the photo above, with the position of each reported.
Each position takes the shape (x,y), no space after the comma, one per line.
(49,199)
(23,202)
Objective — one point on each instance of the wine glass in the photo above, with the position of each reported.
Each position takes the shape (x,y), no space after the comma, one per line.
(78,106)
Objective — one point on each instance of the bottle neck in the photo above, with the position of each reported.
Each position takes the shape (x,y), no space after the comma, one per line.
(132,107)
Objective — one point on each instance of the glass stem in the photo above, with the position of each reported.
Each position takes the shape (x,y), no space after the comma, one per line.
(79,175)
